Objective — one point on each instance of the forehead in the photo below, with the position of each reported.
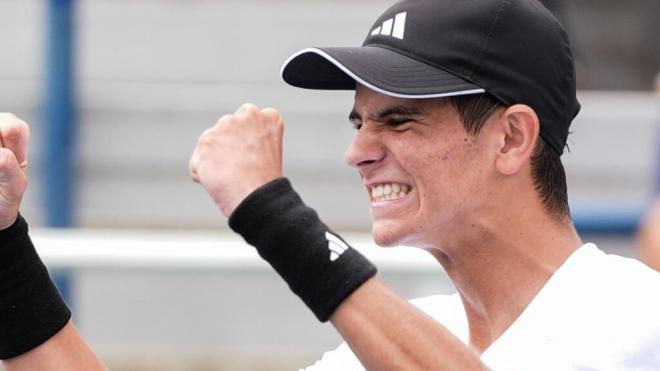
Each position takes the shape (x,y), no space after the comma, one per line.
(369,101)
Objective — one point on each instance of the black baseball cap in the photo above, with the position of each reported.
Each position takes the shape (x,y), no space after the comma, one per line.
(515,50)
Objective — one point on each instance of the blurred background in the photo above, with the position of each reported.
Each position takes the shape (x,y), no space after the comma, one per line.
(117,92)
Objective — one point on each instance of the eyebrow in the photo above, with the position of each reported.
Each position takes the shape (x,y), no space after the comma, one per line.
(387,111)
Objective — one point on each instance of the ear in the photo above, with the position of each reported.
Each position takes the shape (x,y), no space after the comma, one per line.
(520,132)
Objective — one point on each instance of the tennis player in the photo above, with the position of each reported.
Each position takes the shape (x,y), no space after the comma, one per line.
(462,111)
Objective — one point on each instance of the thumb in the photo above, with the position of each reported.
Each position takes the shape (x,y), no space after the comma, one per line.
(9,167)
(12,186)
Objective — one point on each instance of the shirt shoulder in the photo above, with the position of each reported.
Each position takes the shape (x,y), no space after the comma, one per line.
(341,358)
(597,311)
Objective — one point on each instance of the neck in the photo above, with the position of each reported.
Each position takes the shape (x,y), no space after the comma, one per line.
(502,264)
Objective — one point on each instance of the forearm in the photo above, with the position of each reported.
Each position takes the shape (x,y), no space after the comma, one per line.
(65,351)
(35,328)
(386,332)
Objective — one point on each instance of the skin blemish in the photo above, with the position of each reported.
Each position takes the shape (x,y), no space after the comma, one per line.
(445,155)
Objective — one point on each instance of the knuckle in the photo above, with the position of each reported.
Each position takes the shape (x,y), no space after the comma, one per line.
(208,132)
(224,120)
(279,123)
(249,107)
(12,131)
(273,116)
(249,110)
(192,168)
(271,113)
(24,127)
(205,139)
(14,128)
(7,117)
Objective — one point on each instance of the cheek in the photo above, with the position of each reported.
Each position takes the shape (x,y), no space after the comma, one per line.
(418,150)
(437,180)
(436,168)
(408,150)
(445,155)
(446,182)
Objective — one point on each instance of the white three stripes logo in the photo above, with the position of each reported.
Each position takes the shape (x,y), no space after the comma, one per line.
(335,245)
(392,27)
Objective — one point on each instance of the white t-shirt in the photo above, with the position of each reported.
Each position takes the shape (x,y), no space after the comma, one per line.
(597,312)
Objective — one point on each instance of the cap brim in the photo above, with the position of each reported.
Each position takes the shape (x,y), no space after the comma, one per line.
(379,69)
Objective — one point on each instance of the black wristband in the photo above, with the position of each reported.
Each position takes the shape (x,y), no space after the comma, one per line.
(31,308)
(319,267)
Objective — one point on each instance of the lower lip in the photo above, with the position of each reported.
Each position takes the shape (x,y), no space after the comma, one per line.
(387,206)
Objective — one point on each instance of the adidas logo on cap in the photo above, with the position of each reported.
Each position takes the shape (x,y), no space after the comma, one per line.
(335,245)
(394,27)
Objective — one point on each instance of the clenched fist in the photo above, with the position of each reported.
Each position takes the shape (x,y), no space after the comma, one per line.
(242,152)
(14,136)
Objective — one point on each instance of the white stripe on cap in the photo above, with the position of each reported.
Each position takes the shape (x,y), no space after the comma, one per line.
(370,86)
(399,25)
(387,27)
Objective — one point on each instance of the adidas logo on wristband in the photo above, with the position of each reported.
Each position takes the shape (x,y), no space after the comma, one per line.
(335,245)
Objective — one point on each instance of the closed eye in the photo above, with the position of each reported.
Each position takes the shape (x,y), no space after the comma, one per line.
(399,123)
(393,117)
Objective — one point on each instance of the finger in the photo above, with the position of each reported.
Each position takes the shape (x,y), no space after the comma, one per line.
(271,114)
(9,167)
(5,116)
(192,167)
(274,118)
(15,134)
(194,176)
(222,121)
(247,108)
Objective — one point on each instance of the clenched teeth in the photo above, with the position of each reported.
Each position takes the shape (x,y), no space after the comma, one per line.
(389,191)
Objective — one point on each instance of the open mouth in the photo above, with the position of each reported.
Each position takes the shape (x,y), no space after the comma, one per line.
(389,191)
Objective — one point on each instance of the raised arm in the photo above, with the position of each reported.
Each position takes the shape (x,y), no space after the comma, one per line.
(35,328)
(386,332)
(239,163)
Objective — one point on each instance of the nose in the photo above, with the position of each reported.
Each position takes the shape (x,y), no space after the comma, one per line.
(366,149)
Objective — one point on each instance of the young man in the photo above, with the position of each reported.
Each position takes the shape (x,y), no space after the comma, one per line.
(462,110)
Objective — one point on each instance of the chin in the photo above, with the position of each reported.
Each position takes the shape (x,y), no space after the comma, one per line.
(386,234)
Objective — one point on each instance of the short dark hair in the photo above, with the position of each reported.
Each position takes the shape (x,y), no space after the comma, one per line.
(547,170)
